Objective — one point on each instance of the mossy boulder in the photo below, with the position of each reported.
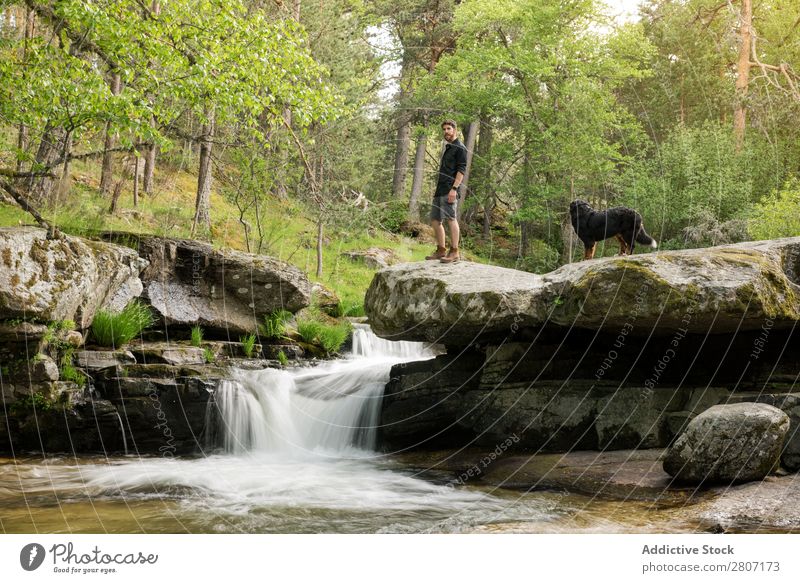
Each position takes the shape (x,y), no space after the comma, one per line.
(747,286)
(725,444)
(69,278)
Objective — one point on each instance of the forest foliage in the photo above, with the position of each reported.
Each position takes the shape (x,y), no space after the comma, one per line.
(686,113)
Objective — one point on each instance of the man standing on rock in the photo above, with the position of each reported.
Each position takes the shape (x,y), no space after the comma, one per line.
(451,173)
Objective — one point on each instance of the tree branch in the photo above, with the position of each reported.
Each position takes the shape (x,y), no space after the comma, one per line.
(81,42)
(14,174)
(23,202)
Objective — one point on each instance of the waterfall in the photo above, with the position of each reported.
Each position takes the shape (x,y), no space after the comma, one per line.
(333,407)
(122,431)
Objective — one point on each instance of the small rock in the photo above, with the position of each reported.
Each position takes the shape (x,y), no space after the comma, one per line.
(326,299)
(99,359)
(43,368)
(73,338)
(729,443)
(374,257)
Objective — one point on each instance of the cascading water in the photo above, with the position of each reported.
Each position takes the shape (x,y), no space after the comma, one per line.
(333,407)
(292,452)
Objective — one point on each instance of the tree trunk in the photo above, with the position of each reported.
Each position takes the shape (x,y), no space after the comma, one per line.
(202,213)
(488,205)
(482,177)
(319,246)
(149,167)
(402,143)
(280,190)
(569,239)
(107,172)
(63,183)
(115,197)
(419,175)
(743,74)
(472,135)
(403,139)
(50,148)
(135,181)
(22,138)
(28,207)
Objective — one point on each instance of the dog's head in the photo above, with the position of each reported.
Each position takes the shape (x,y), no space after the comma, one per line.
(579,206)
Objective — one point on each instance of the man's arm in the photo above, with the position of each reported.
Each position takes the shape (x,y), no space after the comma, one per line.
(453,194)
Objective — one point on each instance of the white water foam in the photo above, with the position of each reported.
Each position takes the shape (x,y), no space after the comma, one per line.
(332,408)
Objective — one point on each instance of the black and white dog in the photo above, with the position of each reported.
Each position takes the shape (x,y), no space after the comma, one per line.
(621,222)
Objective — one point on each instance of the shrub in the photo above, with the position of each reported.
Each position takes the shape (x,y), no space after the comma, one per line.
(35,402)
(390,215)
(197,336)
(274,326)
(114,330)
(541,258)
(282,358)
(778,214)
(68,370)
(248,344)
(209,355)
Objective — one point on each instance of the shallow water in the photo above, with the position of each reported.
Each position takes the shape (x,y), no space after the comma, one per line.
(294,455)
(274,494)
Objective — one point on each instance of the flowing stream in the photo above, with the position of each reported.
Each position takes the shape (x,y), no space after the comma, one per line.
(291,451)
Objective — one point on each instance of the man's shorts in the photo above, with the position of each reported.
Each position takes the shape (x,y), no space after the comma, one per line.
(441,210)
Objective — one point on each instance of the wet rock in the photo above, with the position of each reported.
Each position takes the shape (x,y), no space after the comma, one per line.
(729,443)
(42,368)
(622,474)
(748,286)
(291,351)
(765,506)
(422,402)
(63,279)
(18,340)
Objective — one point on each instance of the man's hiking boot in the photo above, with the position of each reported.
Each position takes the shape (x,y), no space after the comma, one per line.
(438,254)
(451,257)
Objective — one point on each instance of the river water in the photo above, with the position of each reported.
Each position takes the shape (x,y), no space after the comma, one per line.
(293,452)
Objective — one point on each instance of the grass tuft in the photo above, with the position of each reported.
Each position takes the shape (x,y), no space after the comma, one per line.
(274,327)
(248,344)
(115,330)
(197,336)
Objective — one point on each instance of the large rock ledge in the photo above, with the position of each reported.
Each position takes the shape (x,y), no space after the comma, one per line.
(718,289)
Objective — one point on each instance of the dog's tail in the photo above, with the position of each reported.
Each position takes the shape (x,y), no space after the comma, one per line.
(645,239)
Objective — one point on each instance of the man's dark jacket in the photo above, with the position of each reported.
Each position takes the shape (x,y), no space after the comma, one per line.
(454,160)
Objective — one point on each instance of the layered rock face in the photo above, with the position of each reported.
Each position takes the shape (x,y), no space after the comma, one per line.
(191,283)
(150,396)
(611,353)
